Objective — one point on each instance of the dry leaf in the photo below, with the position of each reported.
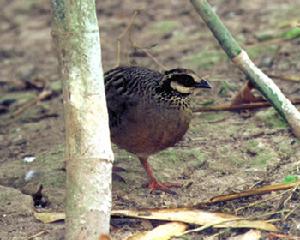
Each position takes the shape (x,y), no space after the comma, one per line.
(197,217)
(186,215)
(50,217)
(162,232)
(252,234)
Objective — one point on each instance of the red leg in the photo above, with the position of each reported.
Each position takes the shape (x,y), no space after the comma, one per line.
(154,184)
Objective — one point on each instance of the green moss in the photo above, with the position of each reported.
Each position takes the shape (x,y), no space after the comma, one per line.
(164,26)
(51,160)
(290,179)
(174,156)
(27,6)
(238,161)
(285,149)
(54,179)
(201,127)
(267,35)
(261,154)
(214,117)
(271,118)
(178,37)
(56,86)
(259,50)
(240,38)
(208,102)
(205,59)
(46,166)
(183,38)
(291,33)
(262,159)
(226,88)
(252,146)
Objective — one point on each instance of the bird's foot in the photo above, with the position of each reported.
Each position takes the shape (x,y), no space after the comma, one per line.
(165,187)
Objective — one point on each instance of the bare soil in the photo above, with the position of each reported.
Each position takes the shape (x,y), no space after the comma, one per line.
(223,152)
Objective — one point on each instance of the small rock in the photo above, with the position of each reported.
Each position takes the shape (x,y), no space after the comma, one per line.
(30,175)
(29,159)
(20,142)
(14,202)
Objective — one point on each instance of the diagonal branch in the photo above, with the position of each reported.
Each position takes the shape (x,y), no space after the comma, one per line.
(240,58)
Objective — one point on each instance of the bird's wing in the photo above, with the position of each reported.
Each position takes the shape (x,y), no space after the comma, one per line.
(120,96)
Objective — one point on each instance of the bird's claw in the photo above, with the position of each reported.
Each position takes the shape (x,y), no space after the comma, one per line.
(165,187)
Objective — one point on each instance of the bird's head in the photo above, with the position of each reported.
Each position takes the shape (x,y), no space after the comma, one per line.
(184,81)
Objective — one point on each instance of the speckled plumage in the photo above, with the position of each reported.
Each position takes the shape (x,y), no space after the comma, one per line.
(148,110)
(145,116)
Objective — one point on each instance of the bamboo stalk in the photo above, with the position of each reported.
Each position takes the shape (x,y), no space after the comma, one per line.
(240,58)
(87,140)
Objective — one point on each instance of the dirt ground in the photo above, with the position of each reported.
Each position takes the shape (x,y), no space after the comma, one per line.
(223,152)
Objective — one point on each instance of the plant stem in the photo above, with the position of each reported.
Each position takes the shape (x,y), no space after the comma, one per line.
(240,58)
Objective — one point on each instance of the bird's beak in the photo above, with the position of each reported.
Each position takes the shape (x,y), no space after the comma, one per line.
(202,84)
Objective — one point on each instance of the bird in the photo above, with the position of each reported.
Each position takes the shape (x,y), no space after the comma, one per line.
(150,111)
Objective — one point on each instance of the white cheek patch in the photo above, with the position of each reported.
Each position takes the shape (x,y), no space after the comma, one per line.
(179,88)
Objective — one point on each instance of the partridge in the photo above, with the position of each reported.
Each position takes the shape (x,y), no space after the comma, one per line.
(150,111)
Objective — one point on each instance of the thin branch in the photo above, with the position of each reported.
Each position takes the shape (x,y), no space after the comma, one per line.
(239,107)
(30,103)
(273,235)
(292,78)
(127,29)
(257,191)
(146,51)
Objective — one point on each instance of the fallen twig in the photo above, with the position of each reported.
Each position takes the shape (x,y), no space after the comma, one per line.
(257,191)
(146,51)
(42,96)
(273,236)
(133,44)
(261,201)
(245,106)
(37,235)
(293,78)
(127,29)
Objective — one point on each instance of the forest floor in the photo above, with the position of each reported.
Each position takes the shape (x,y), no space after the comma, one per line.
(223,152)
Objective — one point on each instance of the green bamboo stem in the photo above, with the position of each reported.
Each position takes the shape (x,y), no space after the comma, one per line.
(239,57)
(87,145)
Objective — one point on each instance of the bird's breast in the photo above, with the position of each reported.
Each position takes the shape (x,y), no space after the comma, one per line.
(148,129)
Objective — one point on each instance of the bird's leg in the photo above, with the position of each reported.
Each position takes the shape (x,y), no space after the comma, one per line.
(154,184)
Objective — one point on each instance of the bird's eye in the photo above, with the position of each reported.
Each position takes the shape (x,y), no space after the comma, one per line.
(185,80)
